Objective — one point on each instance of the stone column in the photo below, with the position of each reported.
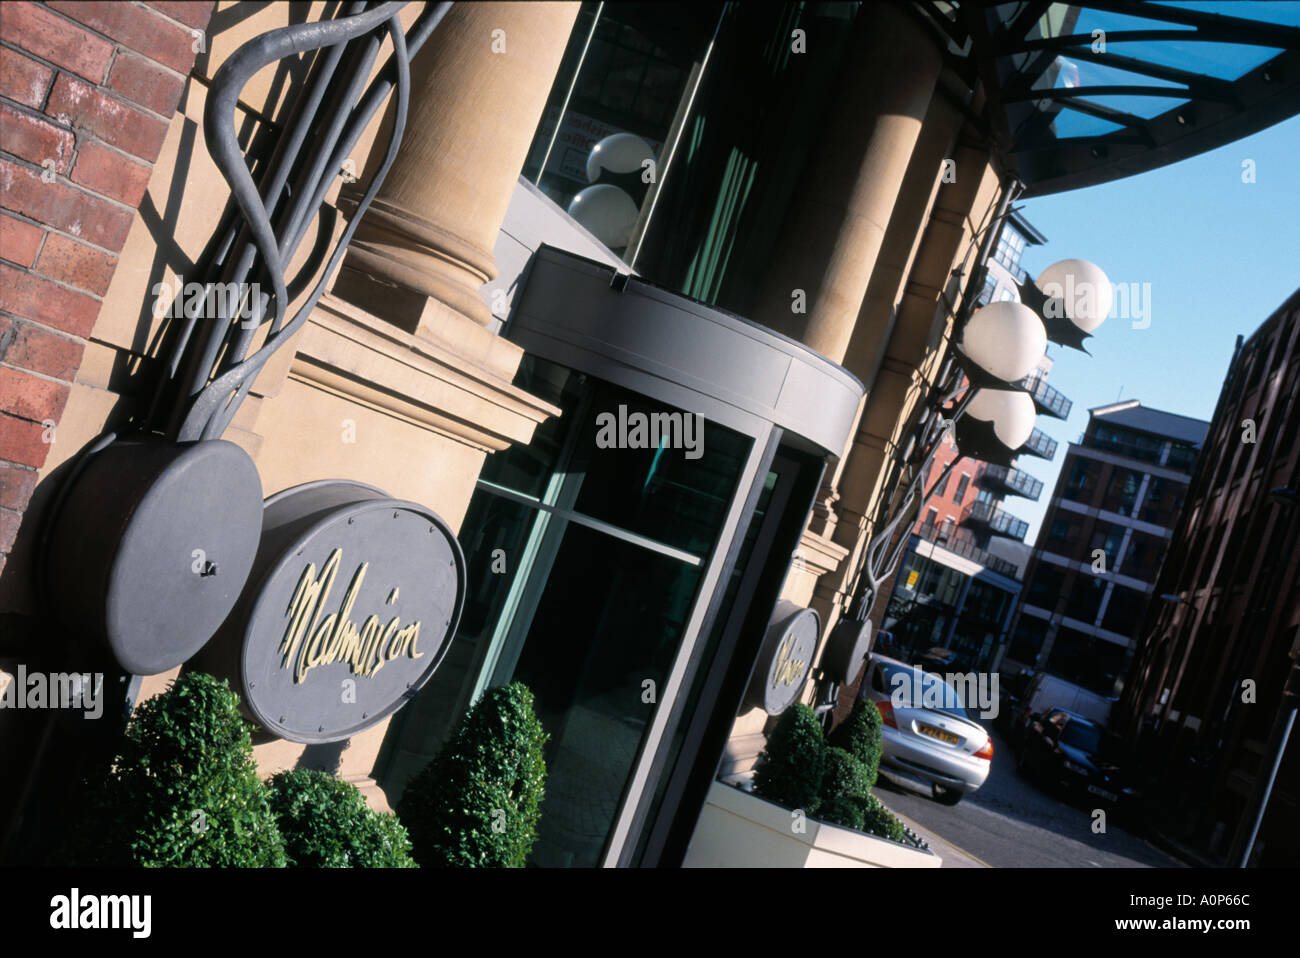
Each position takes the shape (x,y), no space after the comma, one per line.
(429,399)
(478,88)
(840,212)
(909,362)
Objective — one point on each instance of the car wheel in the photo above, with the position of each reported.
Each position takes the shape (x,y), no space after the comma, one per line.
(947,796)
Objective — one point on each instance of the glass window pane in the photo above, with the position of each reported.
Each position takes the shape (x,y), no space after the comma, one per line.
(528,469)
(612,617)
(670,492)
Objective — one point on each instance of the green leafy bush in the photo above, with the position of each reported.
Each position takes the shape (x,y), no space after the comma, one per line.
(184,790)
(845,790)
(878,820)
(478,802)
(860,735)
(326,823)
(791,766)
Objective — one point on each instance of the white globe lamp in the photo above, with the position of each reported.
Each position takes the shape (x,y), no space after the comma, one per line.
(1010,411)
(1084,289)
(1006,339)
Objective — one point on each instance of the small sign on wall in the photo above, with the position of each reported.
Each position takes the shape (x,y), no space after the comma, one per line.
(785,659)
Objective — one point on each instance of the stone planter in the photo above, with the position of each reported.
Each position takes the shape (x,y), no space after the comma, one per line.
(739,830)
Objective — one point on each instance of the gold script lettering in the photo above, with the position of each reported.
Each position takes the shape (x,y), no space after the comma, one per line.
(310,641)
(788,670)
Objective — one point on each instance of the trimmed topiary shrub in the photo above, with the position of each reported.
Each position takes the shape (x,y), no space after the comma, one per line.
(478,802)
(790,767)
(184,790)
(845,789)
(860,735)
(878,820)
(326,823)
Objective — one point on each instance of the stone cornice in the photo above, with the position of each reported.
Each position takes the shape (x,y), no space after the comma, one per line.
(454,389)
(818,555)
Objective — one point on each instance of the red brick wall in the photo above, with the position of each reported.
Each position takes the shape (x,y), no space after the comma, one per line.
(86,93)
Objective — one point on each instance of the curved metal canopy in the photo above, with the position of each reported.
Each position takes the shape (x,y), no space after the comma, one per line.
(1084,93)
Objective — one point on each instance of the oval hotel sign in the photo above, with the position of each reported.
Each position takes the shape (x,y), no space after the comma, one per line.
(351,606)
(785,658)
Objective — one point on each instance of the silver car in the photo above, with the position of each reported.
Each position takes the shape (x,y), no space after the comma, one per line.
(928,734)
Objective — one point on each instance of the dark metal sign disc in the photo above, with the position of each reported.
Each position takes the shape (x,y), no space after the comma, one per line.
(350,608)
(152,546)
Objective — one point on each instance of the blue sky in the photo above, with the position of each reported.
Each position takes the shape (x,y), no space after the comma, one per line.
(1220,256)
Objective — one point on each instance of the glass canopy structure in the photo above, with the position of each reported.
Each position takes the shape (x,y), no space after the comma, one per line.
(1083,93)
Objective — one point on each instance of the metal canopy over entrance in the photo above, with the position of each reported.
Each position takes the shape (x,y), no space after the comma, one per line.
(1085,93)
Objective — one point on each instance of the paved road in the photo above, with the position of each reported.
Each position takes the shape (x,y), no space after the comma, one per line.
(1009,822)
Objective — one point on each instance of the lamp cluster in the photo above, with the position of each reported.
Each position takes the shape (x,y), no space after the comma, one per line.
(1003,342)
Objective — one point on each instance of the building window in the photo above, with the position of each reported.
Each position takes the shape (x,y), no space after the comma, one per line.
(1181,457)
(1010,245)
(1065,529)
(943,485)
(945,530)
(928,525)
(1091,662)
(1107,538)
(1082,477)
(1085,598)
(1162,502)
(961,488)
(1124,611)
(1045,588)
(1126,442)
(1027,640)
(1123,490)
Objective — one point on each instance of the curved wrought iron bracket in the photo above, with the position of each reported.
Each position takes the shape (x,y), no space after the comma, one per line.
(212,369)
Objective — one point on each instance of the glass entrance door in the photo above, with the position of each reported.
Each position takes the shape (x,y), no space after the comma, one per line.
(587,563)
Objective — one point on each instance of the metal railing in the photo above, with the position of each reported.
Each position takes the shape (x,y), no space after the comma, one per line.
(1010,480)
(1040,444)
(989,517)
(1049,400)
(964,545)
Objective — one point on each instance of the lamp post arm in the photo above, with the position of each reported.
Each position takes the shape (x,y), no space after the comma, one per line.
(880,561)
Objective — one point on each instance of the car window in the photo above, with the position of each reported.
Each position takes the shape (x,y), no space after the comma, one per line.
(915,688)
(1081,735)
(877,683)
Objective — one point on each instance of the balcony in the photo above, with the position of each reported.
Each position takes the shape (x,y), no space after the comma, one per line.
(985,519)
(963,545)
(1009,481)
(1039,444)
(1048,400)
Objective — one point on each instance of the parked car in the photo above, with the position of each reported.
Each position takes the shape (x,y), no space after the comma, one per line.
(939,659)
(1078,755)
(927,732)
(1045,692)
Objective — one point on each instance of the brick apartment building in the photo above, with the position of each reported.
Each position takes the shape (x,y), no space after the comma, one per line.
(1099,549)
(959,580)
(1232,578)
